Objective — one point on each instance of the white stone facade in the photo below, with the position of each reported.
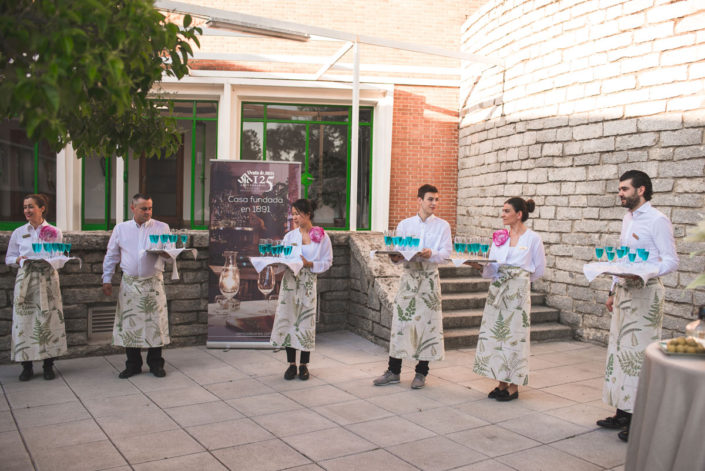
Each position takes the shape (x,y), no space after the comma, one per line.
(591,89)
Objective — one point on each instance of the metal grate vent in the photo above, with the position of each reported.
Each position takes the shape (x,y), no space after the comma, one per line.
(100,323)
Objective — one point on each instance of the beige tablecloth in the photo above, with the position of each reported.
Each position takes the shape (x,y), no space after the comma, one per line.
(669,414)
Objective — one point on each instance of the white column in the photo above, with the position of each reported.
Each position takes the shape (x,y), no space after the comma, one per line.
(354,157)
(382,161)
(119,189)
(62,200)
(224,121)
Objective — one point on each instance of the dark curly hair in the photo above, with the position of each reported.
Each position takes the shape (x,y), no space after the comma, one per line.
(304,206)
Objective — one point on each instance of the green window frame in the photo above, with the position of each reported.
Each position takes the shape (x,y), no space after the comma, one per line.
(108,221)
(305,177)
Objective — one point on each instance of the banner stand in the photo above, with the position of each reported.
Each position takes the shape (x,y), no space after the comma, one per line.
(250,203)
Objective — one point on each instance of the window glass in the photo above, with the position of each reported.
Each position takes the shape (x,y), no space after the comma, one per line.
(94,173)
(307,113)
(363,178)
(328,167)
(206,109)
(252,141)
(206,140)
(181,109)
(286,142)
(252,110)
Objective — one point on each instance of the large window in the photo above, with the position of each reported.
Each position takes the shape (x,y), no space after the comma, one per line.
(178,183)
(25,167)
(319,137)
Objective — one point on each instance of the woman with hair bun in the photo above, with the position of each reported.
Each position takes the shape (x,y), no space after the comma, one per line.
(503,344)
(38,331)
(295,319)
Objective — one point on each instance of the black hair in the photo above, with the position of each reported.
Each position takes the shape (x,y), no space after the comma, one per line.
(638,179)
(423,189)
(520,204)
(304,206)
(41,200)
(140,196)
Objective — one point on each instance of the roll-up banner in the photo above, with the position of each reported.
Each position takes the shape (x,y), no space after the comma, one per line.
(249,201)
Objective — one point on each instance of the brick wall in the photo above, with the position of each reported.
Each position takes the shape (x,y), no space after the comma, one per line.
(591,89)
(424,150)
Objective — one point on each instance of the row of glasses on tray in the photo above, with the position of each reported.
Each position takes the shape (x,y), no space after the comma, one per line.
(51,249)
(620,252)
(274,248)
(396,240)
(167,241)
(473,246)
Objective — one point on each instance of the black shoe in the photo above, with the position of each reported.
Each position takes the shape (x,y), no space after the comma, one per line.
(614,422)
(504,396)
(494,392)
(49,372)
(290,373)
(303,372)
(624,434)
(158,371)
(26,374)
(126,373)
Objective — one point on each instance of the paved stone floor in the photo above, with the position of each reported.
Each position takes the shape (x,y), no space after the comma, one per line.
(218,410)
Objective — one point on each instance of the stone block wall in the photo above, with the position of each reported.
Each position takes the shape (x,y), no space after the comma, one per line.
(81,288)
(591,88)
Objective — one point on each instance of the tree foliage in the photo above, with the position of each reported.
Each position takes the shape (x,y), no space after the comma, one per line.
(82,70)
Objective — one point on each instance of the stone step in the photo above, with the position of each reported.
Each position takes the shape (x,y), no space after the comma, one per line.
(458,301)
(467,338)
(451,271)
(464,285)
(467,318)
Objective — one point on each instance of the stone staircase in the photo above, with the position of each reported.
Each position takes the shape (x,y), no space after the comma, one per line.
(464,293)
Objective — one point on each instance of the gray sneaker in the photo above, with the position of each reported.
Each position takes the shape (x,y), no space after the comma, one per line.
(387,378)
(418,382)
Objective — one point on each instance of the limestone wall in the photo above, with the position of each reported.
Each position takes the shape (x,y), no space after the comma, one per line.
(591,89)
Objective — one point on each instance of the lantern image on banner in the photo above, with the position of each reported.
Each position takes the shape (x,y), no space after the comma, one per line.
(229,282)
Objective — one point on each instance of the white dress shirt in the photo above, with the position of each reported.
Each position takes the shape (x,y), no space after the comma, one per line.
(648,228)
(434,233)
(319,253)
(527,254)
(22,239)
(127,246)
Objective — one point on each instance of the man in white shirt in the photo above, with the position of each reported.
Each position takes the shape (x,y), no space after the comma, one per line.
(417,321)
(141,318)
(637,309)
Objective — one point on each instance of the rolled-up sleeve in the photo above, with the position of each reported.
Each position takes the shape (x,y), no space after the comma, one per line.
(324,258)
(112,256)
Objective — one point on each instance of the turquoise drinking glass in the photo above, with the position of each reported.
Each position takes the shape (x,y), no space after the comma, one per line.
(644,255)
(610,256)
(173,238)
(485,249)
(599,252)
(287,250)
(47,247)
(621,252)
(609,248)
(36,248)
(68,249)
(164,238)
(632,256)
(184,239)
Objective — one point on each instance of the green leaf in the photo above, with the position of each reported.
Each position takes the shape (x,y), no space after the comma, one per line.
(52,94)
(187,21)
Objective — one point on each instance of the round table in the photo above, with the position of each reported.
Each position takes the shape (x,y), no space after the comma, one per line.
(669,414)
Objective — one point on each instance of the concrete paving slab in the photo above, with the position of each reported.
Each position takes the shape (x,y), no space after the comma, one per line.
(252,406)
(228,433)
(328,444)
(270,455)
(204,413)
(376,459)
(390,431)
(436,454)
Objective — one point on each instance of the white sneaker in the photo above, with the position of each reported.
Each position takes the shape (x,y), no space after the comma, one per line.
(387,378)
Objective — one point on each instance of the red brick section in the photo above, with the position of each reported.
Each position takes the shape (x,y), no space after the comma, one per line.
(424,150)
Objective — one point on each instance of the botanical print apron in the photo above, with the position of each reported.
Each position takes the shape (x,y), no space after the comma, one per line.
(417,322)
(637,315)
(295,319)
(503,344)
(141,318)
(38,330)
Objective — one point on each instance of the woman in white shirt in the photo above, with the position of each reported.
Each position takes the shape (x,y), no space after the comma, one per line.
(295,319)
(503,344)
(38,331)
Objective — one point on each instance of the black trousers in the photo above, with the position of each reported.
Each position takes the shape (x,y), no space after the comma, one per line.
(47,363)
(291,356)
(134,358)
(395,366)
